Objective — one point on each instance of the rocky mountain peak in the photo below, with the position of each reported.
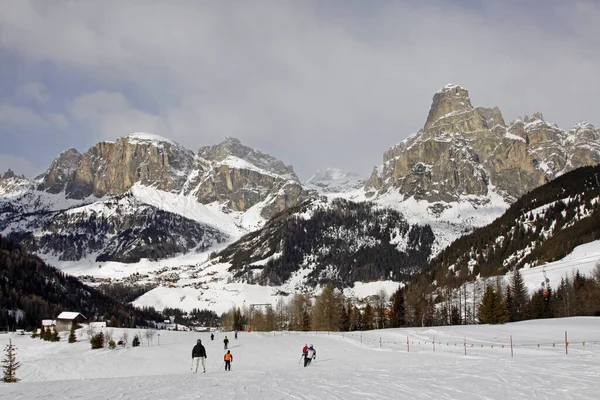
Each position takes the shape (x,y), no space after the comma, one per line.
(466,152)
(335,180)
(450,100)
(8,174)
(231,149)
(61,171)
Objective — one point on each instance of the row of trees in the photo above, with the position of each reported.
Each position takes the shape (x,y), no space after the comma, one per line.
(574,296)
(330,311)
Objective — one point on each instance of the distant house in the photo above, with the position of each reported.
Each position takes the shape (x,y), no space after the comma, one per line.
(67,319)
(49,324)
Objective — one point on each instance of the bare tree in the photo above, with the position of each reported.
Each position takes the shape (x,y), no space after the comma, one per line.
(150,334)
(108,336)
(381,299)
(90,331)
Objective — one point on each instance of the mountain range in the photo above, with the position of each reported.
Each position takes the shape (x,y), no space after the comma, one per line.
(231,215)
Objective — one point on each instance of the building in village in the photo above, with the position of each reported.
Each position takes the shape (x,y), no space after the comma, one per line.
(67,319)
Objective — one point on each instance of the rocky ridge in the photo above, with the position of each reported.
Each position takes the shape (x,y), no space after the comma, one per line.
(466,152)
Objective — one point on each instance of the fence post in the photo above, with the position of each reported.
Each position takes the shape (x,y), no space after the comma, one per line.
(361,337)
(434,343)
(511,347)
(465,345)
(566,344)
(407,344)
(379,341)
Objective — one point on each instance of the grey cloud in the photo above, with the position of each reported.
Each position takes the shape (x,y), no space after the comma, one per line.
(304,82)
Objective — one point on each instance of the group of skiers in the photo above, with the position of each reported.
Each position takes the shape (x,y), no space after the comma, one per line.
(199,354)
(309,353)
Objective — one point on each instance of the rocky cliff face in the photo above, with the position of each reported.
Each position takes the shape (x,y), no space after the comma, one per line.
(240,177)
(165,187)
(465,152)
(230,173)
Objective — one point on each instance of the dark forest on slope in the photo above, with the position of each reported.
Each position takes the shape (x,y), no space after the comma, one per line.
(568,214)
(41,292)
(543,226)
(345,242)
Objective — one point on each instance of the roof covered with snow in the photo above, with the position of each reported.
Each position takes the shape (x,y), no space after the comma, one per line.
(69,315)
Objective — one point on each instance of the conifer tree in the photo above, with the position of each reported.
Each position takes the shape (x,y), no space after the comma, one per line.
(397,312)
(72,336)
(366,318)
(492,309)
(10,363)
(518,307)
(42,333)
(48,334)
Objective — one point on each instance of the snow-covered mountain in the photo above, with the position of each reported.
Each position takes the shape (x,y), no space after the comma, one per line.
(334,182)
(145,204)
(145,197)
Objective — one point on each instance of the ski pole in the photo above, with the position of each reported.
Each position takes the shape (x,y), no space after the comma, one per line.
(300,358)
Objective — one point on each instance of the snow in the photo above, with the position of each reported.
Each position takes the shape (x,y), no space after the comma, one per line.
(238,163)
(369,365)
(512,136)
(584,258)
(68,315)
(138,137)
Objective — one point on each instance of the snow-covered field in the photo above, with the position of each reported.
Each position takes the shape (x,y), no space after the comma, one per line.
(349,366)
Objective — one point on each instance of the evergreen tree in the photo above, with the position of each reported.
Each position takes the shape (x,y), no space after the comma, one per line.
(10,363)
(54,337)
(366,318)
(397,318)
(72,336)
(518,310)
(492,309)
(42,332)
(48,334)
(97,341)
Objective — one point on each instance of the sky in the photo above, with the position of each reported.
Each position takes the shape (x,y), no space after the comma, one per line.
(316,84)
(373,365)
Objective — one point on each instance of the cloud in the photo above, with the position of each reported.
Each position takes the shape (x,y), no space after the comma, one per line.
(111,115)
(19,165)
(316,84)
(32,91)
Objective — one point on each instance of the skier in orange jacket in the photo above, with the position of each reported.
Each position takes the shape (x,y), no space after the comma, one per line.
(228,359)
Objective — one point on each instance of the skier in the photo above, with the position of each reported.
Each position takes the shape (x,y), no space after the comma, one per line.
(228,360)
(310,355)
(198,356)
(212,336)
(225,343)
(304,351)
(236,332)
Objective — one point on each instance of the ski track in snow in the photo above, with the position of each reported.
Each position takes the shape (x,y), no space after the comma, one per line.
(268,365)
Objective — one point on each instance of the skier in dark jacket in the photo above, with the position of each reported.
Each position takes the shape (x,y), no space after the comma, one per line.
(198,356)
(212,336)
(225,343)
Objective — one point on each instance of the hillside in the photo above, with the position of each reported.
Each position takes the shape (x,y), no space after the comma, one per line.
(30,291)
(340,242)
